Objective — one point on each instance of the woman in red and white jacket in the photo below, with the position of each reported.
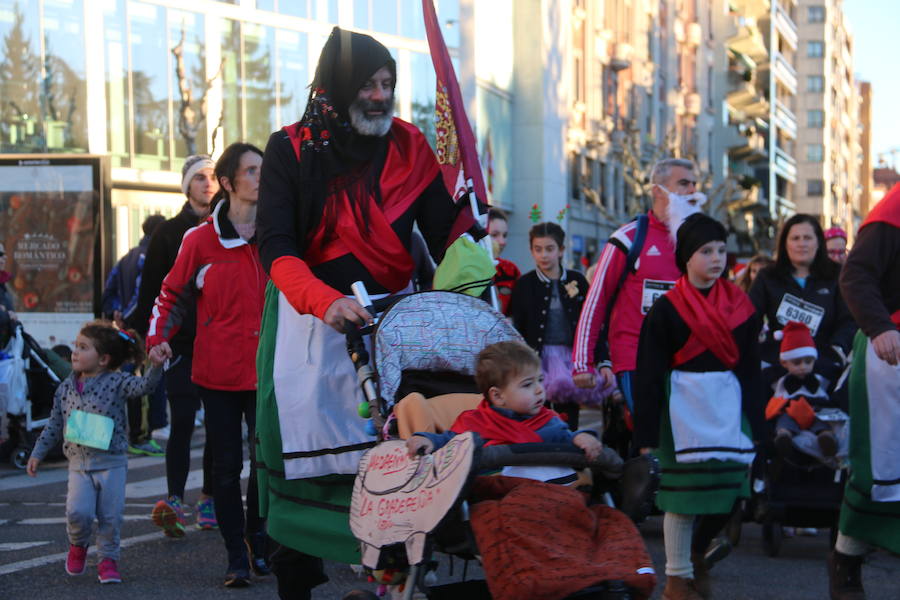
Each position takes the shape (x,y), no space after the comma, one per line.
(218,267)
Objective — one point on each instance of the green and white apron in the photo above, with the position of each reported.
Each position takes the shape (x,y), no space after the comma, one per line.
(871,509)
(309,435)
(705,447)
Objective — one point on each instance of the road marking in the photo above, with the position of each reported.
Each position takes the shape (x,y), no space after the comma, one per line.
(40,561)
(7,546)
(61,473)
(63,521)
(158,487)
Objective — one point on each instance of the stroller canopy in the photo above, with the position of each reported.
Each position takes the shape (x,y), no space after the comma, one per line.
(435,331)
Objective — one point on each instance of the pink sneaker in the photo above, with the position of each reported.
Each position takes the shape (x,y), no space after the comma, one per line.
(75,561)
(108,571)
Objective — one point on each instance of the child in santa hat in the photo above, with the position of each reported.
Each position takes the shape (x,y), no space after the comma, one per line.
(799,394)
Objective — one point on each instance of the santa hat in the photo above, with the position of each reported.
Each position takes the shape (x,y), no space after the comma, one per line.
(796,341)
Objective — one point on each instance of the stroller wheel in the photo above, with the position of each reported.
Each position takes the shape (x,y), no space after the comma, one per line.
(19,458)
(771,537)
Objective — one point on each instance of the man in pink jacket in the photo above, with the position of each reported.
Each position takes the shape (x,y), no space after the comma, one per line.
(618,301)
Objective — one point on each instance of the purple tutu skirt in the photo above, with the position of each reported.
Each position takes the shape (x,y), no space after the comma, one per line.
(559,388)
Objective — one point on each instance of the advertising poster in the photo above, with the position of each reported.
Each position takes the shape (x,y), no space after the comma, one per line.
(50,226)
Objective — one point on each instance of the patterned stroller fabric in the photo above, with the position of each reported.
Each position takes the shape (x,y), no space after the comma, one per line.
(435,331)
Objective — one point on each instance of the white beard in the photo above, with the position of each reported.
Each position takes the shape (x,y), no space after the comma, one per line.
(373,126)
(679,210)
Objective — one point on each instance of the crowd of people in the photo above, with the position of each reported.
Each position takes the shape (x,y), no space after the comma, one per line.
(244,297)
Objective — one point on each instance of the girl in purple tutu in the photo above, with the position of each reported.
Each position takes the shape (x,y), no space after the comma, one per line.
(545,307)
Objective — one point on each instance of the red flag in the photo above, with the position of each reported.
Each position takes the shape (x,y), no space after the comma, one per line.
(456,151)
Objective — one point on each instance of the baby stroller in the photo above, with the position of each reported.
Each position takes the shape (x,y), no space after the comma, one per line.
(29,384)
(403,511)
(798,490)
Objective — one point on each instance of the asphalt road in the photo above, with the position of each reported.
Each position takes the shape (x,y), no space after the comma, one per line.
(33,546)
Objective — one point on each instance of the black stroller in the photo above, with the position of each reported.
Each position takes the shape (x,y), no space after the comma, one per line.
(428,342)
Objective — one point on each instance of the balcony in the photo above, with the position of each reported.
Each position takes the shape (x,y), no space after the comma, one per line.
(785,166)
(746,98)
(785,120)
(745,143)
(748,40)
(755,8)
(785,73)
(786,26)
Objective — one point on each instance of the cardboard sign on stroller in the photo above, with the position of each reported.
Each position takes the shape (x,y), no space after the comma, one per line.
(398,499)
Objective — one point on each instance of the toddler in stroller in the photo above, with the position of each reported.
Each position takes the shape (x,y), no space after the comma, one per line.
(801,406)
(535,539)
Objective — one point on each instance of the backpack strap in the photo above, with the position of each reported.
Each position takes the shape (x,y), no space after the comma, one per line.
(634,253)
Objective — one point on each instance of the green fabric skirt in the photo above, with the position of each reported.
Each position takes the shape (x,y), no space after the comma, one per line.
(309,515)
(877,523)
(701,488)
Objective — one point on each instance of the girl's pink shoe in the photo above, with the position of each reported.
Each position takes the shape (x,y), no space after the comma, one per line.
(75,561)
(108,571)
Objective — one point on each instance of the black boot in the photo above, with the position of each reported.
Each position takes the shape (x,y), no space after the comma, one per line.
(257,553)
(845,576)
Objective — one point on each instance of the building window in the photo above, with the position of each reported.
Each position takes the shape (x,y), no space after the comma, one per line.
(423,92)
(815,14)
(814,187)
(814,153)
(815,83)
(815,118)
(815,49)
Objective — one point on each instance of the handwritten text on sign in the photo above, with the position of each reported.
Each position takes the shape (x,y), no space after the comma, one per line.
(398,499)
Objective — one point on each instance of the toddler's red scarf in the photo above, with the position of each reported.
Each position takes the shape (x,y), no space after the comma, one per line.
(497,430)
(711,319)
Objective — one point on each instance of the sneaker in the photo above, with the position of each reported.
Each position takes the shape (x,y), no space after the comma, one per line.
(168,515)
(76,560)
(827,443)
(237,578)
(784,443)
(256,553)
(150,448)
(162,434)
(108,571)
(206,514)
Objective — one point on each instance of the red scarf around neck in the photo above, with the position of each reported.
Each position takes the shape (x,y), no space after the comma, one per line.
(711,319)
(497,430)
(410,166)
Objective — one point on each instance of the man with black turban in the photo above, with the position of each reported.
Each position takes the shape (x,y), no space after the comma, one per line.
(339,193)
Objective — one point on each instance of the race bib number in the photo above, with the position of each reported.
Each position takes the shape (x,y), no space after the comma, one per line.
(653,289)
(793,308)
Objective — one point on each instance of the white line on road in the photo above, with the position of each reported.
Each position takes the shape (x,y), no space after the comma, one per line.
(62,520)
(56,475)
(7,546)
(61,556)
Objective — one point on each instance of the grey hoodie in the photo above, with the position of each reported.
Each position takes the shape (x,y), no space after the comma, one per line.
(106,394)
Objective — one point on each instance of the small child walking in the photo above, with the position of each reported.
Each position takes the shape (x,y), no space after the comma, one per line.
(546,305)
(697,402)
(89,412)
(800,394)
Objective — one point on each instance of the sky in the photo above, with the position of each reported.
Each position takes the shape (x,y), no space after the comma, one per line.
(875,25)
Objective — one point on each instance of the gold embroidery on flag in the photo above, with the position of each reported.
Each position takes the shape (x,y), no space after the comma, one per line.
(447,142)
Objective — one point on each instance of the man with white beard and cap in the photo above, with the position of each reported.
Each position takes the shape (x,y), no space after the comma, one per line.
(636,267)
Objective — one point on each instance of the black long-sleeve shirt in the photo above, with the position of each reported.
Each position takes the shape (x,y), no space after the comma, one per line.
(870,280)
(285,220)
(663,333)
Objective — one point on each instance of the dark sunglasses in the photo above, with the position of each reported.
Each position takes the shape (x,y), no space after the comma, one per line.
(2,253)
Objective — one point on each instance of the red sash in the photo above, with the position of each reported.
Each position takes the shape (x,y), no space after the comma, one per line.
(409,168)
(711,319)
(497,430)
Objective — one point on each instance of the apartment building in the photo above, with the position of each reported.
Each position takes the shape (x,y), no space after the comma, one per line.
(829,139)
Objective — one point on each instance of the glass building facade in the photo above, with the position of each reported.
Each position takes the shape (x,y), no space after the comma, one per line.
(149,82)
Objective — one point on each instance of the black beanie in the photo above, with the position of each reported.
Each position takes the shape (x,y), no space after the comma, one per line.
(695,231)
(347,61)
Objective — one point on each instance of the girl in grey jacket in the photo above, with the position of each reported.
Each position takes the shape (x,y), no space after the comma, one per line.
(89,413)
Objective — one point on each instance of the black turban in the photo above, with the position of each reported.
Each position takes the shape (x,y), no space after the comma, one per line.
(697,230)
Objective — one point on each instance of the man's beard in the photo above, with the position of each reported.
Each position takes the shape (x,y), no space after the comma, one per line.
(364,124)
(679,210)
